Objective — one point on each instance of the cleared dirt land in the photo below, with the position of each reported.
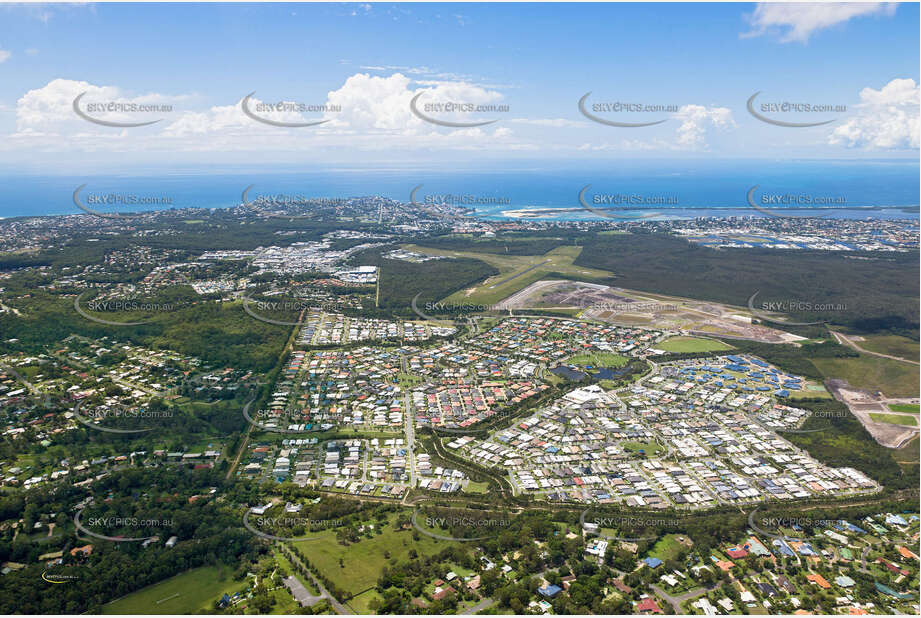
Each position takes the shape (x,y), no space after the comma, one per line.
(866,405)
(630,307)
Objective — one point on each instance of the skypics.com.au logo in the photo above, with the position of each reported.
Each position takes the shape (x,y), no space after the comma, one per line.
(119,419)
(781,113)
(616,109)
(270,421)
(429,111)
(768,310)
(118,524)
(94,203)
(258,309)
(455,199)
(824,414)
(277,205)
(119,114)
(624,205)
(456,311)
(462,523)
(282,114)
(783,205)
(632,529)
(634,307)
(268,527)
(772,526)
(120,306)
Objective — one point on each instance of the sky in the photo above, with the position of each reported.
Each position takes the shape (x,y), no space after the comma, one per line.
(697,65)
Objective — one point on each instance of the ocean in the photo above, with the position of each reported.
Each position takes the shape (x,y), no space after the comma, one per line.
(670,189)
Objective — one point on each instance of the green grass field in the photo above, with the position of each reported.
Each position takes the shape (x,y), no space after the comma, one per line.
(651,449)
(191,592)
(361,603)
(666,548)
(362,561)
(476,488)
(893,345)
(893,378)
(905,407)
(895,419)
(526,269)
(598,359)
(285,605)
(907,456)
(812,391)
(285,565)
(692,344)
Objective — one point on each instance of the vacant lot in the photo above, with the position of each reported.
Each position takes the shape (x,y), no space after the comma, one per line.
(191,592)
(893,378)
(650,449)
(905,407)
(895,419)
(692,344)
(362,562)
(893,345)
(666,548)
(361,603)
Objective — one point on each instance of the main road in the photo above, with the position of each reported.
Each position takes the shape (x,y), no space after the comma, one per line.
(410,431)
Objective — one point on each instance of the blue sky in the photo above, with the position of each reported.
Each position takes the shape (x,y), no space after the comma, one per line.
(700,61)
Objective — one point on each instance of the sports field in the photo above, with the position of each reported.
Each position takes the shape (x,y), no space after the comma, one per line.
(811,392)
(516,272)
(191,592)
(692,344)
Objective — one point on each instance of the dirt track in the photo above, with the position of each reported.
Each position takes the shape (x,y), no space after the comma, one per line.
(842,339)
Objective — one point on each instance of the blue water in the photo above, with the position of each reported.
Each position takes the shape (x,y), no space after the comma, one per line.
(713,188)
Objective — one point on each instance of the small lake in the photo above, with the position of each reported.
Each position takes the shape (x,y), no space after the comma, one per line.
(569,373)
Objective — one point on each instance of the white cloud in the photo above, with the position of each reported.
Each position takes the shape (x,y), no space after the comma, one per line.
(50,108)
(796,21)
(627,145)
(551,122)
(887,118)
(383,103)
(370,107)
(364,7)
(4,55)
(697,121)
